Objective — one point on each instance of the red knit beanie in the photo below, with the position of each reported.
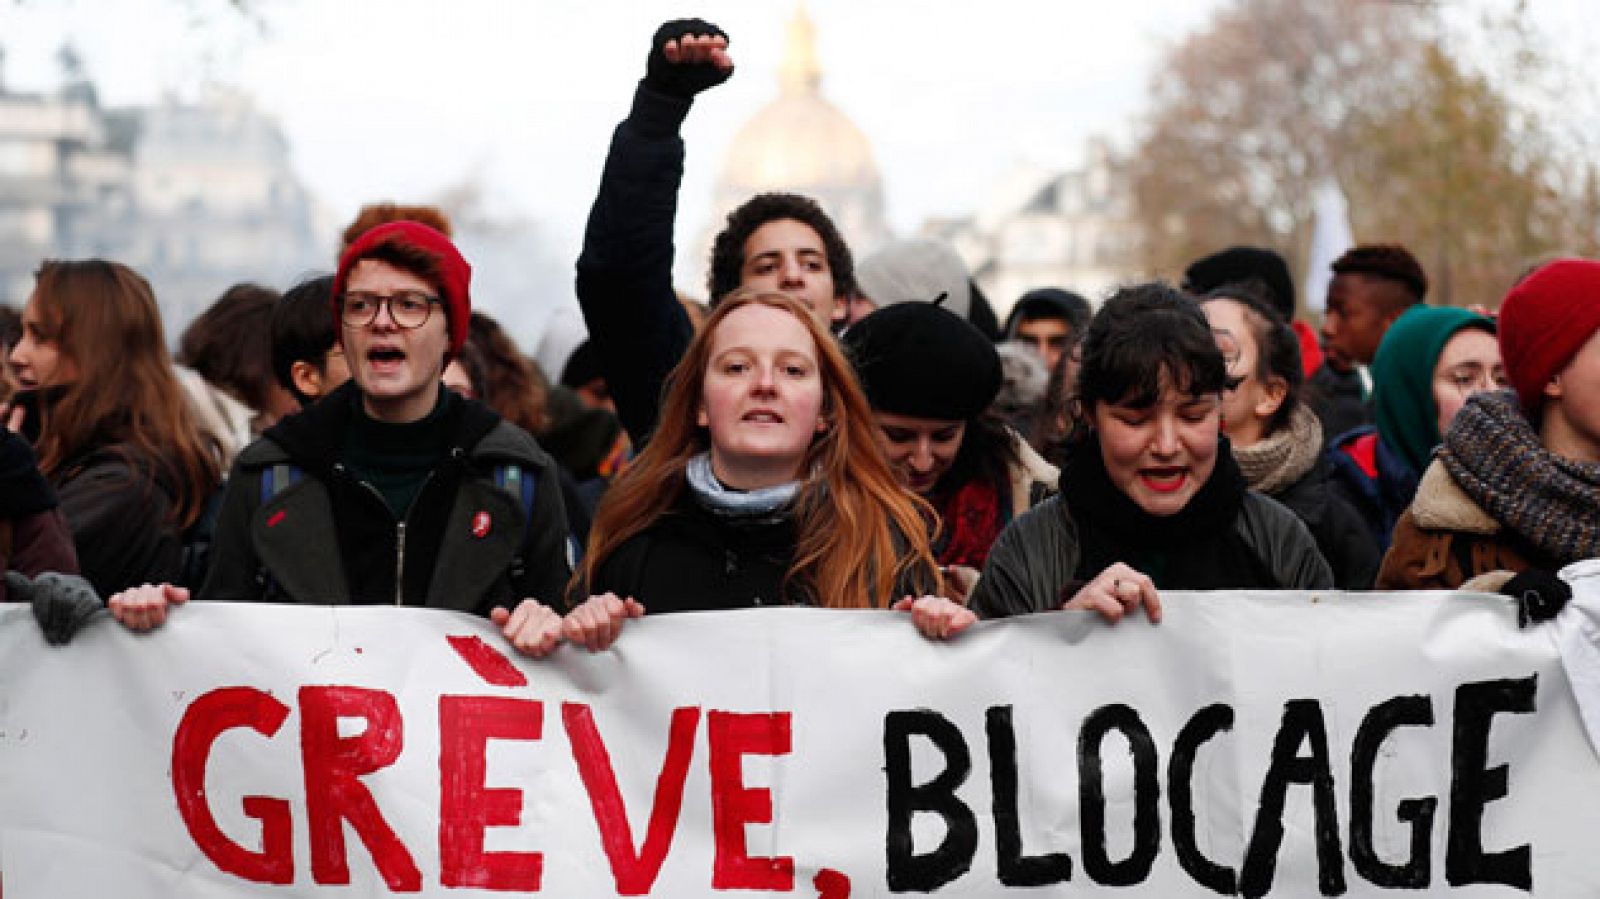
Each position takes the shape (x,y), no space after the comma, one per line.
(453,274)
(1544,321)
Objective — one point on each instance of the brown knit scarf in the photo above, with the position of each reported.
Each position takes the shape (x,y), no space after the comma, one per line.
(1551,501)
(1275,462)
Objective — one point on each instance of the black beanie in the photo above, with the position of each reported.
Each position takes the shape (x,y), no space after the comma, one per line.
(922,360)
(1240,265)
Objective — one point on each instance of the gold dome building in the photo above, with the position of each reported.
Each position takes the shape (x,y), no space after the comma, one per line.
(801,143)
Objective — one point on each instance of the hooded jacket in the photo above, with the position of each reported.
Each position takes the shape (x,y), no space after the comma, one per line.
(328,537)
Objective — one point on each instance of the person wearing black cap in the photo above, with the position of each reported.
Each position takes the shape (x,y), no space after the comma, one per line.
(1152,499)
(1050,320)
(930,377)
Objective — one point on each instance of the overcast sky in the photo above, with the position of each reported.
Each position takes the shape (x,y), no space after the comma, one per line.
(403,98)
(400,99)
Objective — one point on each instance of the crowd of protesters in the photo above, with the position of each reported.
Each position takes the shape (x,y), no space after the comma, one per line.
(824,434)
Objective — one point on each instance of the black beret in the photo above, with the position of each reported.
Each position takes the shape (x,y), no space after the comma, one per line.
(1239,265)
(922,360)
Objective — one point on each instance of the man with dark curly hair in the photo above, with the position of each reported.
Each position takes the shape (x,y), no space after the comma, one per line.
(775,241)
(1372,285)
(783,242)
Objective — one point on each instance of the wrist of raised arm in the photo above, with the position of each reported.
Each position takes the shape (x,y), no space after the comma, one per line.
(657,114)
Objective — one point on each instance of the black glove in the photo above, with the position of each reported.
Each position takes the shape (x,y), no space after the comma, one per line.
(1539,595)
(682,80)
(63,603)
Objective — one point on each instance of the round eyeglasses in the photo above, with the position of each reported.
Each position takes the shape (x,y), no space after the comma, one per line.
(407,308)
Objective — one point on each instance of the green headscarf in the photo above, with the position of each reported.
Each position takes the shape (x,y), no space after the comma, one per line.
(1402,378)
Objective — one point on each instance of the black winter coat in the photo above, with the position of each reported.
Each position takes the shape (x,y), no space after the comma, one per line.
(625,270)
(692,559)
(1339,529)
(330,538)
(122,520)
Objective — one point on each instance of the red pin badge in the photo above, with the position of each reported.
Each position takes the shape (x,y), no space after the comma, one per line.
(480,524)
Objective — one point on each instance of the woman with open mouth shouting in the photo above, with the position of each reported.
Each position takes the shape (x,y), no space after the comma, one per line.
(1152,499)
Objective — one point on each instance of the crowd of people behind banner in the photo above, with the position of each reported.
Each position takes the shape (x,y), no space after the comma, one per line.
(825,432)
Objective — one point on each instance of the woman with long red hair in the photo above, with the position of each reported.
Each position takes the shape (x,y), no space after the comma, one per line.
(762,485)
(110,424)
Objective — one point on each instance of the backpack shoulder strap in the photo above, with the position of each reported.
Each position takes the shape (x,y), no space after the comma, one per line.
(279,477)
(521,485)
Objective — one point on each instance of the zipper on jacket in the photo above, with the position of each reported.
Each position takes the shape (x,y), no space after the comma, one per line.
(400,563)
(400,527)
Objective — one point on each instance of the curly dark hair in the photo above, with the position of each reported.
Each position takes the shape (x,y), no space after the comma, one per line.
(1143,335)
(727,251)
(1386,261)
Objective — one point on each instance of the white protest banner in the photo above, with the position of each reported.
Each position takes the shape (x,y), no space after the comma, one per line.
(1253,744)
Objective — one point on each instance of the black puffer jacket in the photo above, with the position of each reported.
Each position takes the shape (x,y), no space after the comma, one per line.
(327,537)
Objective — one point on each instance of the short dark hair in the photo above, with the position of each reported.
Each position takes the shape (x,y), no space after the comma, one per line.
(229,343)
(727,250)
(1141,335)
(302,330)
(1277,346)
(1386,262)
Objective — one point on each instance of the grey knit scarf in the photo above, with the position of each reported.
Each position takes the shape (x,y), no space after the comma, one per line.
(765,502)
(1551,501)
(1275,462)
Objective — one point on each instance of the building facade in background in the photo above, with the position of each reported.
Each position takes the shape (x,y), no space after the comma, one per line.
(194,196)
(1051,228)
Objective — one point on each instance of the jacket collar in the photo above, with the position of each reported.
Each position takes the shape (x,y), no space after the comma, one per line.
(1441,505)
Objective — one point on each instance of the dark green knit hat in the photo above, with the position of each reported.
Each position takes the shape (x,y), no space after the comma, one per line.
(1402,377)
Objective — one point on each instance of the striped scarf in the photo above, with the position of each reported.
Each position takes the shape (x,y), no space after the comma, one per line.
(1550,501)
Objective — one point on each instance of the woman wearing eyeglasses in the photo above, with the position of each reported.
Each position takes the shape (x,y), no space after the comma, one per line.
(1276,438)
(1431,359)
(1515,487)
(109,422)
(391,489)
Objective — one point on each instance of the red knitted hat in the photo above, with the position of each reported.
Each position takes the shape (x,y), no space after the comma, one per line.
(1544,321)
(454,275)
